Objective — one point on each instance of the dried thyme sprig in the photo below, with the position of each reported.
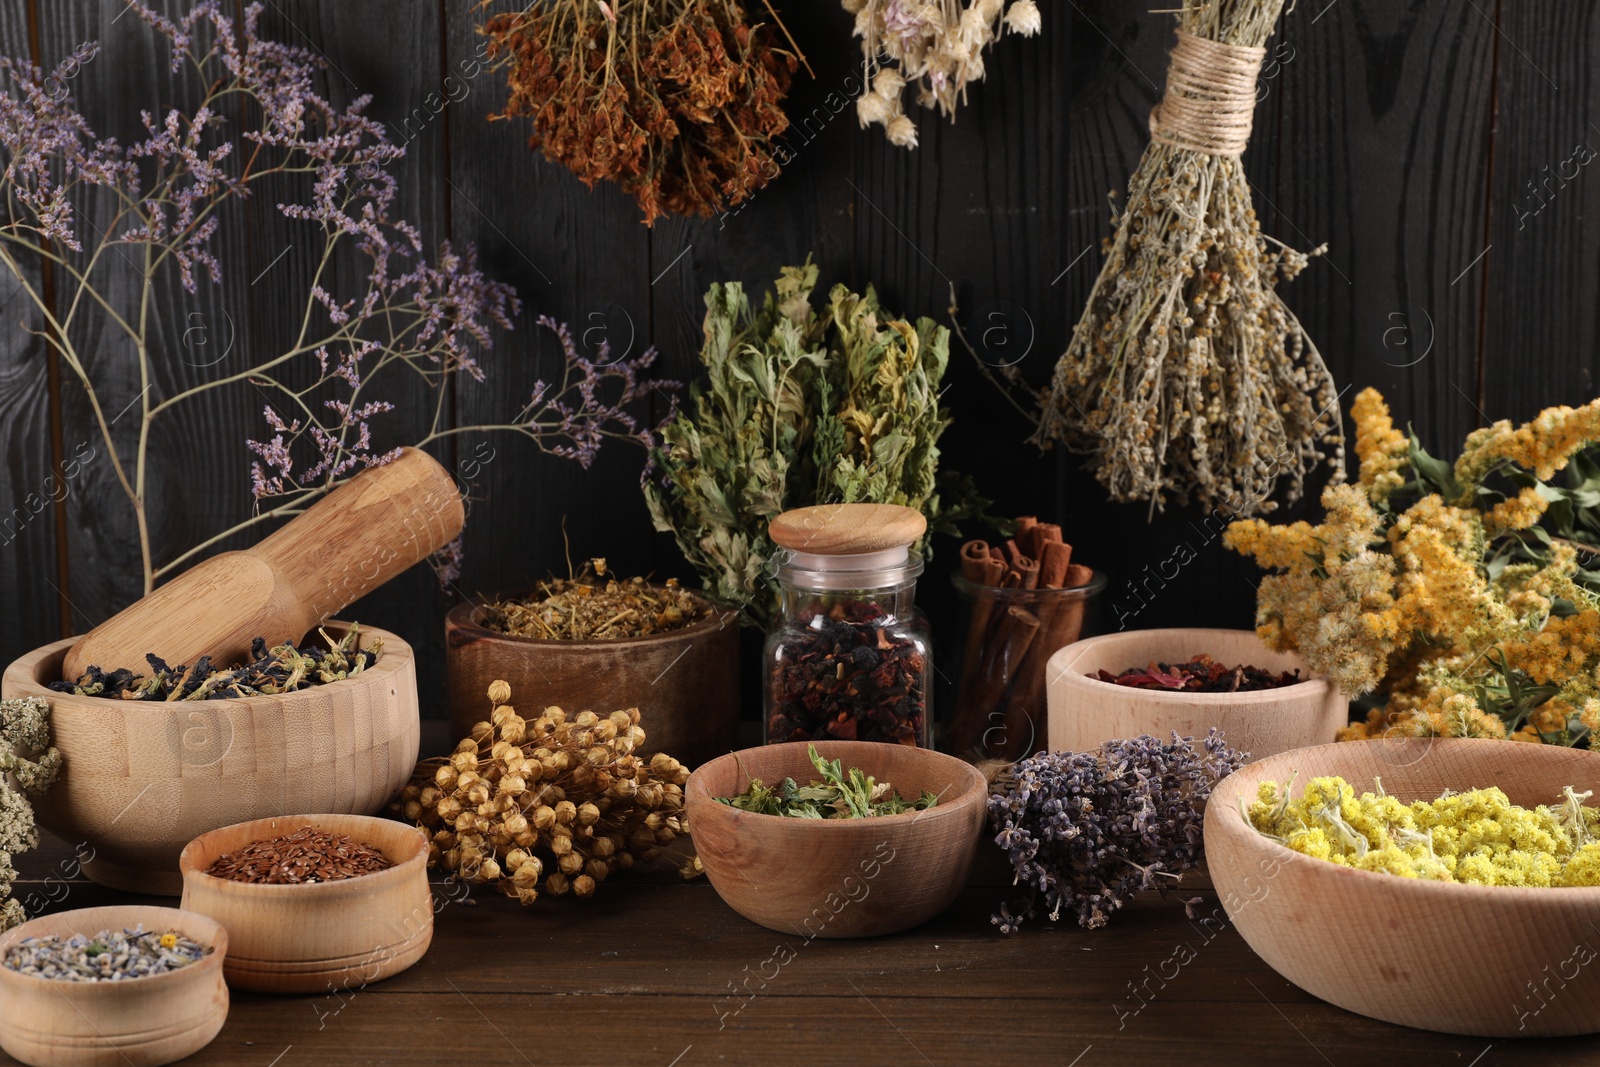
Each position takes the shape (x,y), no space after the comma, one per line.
(584,608)
(1187,378)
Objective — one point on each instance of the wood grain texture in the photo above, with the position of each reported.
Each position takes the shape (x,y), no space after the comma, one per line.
(1542,346)
(685,683)
(1462,959)
(144,1023)
(1085,711)
(316,937)
(142,780)
(838,878)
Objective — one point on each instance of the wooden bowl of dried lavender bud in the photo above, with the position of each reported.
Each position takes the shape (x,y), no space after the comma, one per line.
(142,778)
(142,987)
(1277,706)
(838,877)
(314,903)
(621,644)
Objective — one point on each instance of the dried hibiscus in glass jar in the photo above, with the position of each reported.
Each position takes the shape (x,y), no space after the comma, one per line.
(850,657)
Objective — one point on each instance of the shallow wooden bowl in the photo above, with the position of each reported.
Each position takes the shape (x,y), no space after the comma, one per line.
(1085,711)
(143,779)
(838,877)
(323,937)
(138,1023)
(1491,961)
(685,682)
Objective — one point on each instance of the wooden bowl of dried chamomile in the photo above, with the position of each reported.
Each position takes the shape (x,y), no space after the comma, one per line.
(315,903)
(112,987)
(1449,884)
(857,876)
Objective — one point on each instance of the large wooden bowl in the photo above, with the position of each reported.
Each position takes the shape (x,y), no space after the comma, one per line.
(143,779)
(685,682)
(326,937)
(1085,711)
(1492,961)
(838,877)
(139,1023)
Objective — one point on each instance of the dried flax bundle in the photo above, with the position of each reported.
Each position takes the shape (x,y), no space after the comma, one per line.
(1187,378)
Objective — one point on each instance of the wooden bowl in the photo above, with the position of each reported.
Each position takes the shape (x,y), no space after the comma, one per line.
(1490,961)
(322,937)
(139,1023)
(1085,711)
(838,877)
(685,682)
(143,779)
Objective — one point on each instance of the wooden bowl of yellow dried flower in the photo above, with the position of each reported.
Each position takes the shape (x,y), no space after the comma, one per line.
(141,779)
(1085,711)
(1484,960)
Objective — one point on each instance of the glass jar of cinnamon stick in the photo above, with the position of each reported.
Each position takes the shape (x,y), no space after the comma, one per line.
(1021,602)
(850,657)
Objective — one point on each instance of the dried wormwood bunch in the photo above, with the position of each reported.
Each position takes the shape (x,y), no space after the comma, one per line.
(677,101)
(27,759)
(1085,831)
(1465,596)
(521,797)
(936,47)
(1187,377)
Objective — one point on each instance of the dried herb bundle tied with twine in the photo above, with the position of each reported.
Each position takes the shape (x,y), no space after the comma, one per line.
(680,102)
(1187,378)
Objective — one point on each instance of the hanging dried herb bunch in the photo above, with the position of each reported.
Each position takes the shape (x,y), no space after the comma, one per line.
(677,101)
(1187,378)
(934,47)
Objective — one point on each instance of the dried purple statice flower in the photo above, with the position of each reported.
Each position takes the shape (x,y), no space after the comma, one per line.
(377,303)
(1086,831)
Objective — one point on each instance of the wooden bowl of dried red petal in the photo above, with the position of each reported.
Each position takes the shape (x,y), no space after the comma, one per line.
(339,925)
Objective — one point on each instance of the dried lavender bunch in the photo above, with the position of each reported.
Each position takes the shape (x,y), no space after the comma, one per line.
(27,760)
(1187,377)
(1086,831)
(376,304)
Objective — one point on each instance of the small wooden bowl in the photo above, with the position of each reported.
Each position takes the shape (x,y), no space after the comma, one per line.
(1084,711)
(684,682)
(142,779)
(838,877)
(143,1022)
(321,937)
(1490,961)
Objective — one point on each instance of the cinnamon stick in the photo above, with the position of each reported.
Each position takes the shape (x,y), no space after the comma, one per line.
(1053,563)
(984,692)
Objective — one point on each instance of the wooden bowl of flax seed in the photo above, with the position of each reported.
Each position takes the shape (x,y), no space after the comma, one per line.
(328,921)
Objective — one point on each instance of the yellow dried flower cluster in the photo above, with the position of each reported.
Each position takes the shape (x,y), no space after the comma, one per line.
(1437,604)
(1478,836)
(521,797)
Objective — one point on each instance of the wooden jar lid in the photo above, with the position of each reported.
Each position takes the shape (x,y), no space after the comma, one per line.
(847,529)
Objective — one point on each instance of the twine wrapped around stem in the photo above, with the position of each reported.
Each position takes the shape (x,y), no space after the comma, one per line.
(1187,378)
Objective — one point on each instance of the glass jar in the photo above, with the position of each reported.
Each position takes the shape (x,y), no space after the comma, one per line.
(850,656)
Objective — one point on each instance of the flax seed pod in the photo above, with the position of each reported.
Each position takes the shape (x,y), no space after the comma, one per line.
(499,691)
(566,812)
(588,814)
(597,869)
(583,885)
(571,863)
(544,817)
(481,730)
(561,845)
(557,884)
(445,777)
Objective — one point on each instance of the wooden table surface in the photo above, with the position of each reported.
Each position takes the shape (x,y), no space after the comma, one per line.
(659,972)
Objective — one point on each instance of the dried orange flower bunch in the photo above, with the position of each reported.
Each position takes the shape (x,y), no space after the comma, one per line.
(520,798)
(1454,593)
(677,101)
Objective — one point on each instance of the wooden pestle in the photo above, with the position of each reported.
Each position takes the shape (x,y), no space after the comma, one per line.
(351,541)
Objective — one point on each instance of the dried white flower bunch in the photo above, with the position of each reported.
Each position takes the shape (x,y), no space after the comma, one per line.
(29,762)
(935,45)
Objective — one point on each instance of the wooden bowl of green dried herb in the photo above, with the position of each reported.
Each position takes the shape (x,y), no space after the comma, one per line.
(845,859)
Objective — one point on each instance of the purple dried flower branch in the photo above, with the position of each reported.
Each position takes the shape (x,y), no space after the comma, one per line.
(430,315)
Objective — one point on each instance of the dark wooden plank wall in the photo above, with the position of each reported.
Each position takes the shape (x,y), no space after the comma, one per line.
(1429,143)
